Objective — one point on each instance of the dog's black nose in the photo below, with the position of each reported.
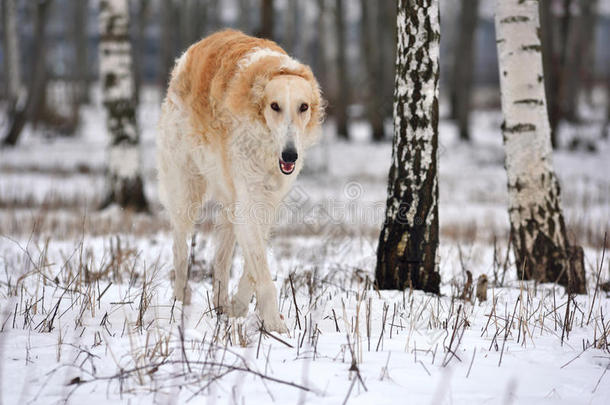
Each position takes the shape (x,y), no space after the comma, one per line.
(290,155)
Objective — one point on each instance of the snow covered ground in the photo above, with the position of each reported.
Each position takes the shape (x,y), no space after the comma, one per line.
(86,313)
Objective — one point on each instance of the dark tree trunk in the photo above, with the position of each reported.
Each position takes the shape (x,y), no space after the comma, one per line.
(11,55)
(267,22)
(606,128)
(342,99)
(540,242)
(407,254)
(81,14)
(320,57)
(555,42)
(386,26)
(244,16)
(139,50)
(549,63)
(580,42)
(168,29)
(124,179)
(37,87)
(463,68)
(373,82)
(291,22)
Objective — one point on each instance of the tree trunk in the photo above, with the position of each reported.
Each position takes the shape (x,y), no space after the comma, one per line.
(266,30)
(386,26)
(549,61)
(540,243)
(124,178)
(12,57)
(244,16)
(321,57)
(200,19)
(606,127)
(407,254)
(291,19)
(81,14)
(463,68)
(139,53)
(373,82)
(342,98)
(168,26)
(37,87)
(581,42)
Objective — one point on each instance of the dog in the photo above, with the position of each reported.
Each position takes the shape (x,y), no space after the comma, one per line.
(237,119)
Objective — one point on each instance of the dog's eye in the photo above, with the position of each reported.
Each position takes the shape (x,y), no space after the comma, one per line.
(275,107)
(304,107)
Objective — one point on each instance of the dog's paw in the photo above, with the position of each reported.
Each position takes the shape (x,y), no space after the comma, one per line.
(275,323)
(183,294)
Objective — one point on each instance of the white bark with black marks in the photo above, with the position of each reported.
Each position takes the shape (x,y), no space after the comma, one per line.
(540,243)
(124,178)
(407,254)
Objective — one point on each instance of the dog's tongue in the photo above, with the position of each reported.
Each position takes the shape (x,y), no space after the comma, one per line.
(286,167)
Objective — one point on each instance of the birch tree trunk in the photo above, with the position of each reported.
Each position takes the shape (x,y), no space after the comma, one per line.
(407,254)
(124,178)
(12,57)
(541,248)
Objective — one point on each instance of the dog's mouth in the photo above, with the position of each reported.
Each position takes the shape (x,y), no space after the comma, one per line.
(286,167)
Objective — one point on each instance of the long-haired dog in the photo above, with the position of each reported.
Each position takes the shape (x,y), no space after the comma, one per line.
(237,118)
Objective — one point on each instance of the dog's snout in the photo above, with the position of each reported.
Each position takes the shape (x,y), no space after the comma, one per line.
(289,154)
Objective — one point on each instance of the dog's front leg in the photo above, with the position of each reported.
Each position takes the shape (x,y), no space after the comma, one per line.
(249,232)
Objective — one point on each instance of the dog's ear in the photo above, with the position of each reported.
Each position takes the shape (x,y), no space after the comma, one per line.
(317,106)
(257,93)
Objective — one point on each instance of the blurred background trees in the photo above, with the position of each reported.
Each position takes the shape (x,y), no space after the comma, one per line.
(350,44)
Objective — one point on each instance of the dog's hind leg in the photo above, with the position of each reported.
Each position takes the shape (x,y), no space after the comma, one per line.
(181,199)
(225,246)
(182,291)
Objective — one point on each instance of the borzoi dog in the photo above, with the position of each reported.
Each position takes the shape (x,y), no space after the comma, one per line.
(238,116)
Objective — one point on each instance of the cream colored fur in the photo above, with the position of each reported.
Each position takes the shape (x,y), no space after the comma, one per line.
(233,161)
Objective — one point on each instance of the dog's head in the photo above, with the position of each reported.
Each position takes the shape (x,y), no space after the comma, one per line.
(290,109)
(286,99)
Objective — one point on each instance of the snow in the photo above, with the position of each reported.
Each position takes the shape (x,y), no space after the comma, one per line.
(118,315)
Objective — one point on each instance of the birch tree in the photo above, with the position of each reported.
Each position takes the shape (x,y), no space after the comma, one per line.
(124,178)
(407,254)
(540,242)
